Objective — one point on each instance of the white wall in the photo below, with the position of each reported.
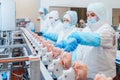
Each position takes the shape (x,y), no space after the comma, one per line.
(29,9)
(82,3)
(61,10)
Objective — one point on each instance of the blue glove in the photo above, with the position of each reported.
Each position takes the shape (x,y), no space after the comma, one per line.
(33,30)
(51,36)
(41,33)
(4,76)
(61,44)
(86,38)
(71,45)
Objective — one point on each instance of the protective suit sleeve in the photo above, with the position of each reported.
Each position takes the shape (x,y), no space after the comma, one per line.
(71,45)
(61,44)
(33,30)
(86,38)
(108,37)
(41,33)
(51,36)
(74,56)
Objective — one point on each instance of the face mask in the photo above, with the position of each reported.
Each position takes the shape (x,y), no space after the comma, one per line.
(66,25)
(52,21)
(42,16)
(94,24)
(91,20)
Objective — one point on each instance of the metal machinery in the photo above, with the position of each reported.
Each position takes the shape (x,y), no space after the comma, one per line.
(49,69)
(7,22)
(19,59)
(22,57)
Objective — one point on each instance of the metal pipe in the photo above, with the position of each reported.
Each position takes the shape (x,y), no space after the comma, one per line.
(18,59)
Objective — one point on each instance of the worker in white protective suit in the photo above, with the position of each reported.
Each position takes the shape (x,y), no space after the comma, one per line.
(64,29)
(69,22)
(43,20)
(54,19)
(97,43)
(55,26)
(29,25)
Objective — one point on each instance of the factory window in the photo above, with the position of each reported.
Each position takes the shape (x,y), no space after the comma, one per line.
(80,11)
(116,16)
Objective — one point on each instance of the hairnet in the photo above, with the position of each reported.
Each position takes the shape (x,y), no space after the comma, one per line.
(54,14)
(67,16)
(98,9)
(73,17)
(44,10)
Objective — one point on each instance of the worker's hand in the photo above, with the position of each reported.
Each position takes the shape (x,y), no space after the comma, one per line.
(61,44)
(71,45)
(66,60)
(38,19)
(102,77)
(56,52)
(80,70)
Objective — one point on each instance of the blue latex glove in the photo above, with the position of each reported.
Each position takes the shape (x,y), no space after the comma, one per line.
(61,44)
(51,36)
(4,76)
(71,45)
(33,30)
(41,33)
(86,38)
